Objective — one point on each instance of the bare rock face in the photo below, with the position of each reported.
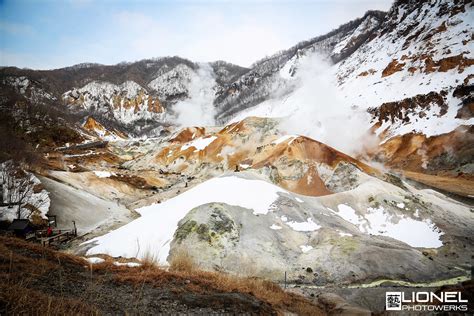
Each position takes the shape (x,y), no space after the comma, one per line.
(345,177)
(125,103)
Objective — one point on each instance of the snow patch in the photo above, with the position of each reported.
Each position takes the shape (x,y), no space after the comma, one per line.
(307,226)
(127,264)
(95,260)
(283,139)
(199,143)
(305,248)
(104,174)
(377,221)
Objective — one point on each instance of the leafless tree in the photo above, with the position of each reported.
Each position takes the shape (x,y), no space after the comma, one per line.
(18,188)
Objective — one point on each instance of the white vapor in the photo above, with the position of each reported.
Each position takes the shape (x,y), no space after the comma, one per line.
(198,108)
(320,111)
(316,108)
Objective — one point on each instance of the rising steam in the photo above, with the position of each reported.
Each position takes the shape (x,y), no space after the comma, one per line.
(198,109)
(321,112)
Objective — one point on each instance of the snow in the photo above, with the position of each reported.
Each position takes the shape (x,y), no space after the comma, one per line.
(299,200)
(95,260)
(172,82)
(305,248)
(368,24)
(275,227)
(127,264)
(104,174)
(287,69)
(27,88)
(307,226)
(283,139)
(342,234)
(154,231)
(348,214)
(401,205)
(373,90)
(377,221)
(199,143)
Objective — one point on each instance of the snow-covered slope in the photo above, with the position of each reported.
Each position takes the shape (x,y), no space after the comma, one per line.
(422,48)
(412,74)
(172,83)
(272,75)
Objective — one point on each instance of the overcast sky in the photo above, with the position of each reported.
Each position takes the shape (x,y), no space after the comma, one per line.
(52,34)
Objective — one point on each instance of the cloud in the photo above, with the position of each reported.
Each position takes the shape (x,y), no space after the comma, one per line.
(16,28)
(109,32)
(202,36)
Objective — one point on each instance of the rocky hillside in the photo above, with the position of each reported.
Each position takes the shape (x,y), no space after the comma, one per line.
(403,65)
(133,97)
(411,79)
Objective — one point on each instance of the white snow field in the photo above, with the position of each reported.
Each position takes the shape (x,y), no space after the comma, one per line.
(154,231)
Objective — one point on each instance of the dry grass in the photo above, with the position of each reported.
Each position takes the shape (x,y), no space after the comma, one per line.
(182,262)
(20,300)
(20,265)
(26,267)
(183,270)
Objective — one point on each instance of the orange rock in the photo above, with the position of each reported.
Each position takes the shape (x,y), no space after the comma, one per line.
(392,68)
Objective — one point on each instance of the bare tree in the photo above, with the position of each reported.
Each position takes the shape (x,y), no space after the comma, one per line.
(18,188)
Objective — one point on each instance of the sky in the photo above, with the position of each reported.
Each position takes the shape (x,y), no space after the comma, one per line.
(52,34)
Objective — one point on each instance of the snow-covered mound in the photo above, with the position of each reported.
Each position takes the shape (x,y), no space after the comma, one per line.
(242,216)
(154,231)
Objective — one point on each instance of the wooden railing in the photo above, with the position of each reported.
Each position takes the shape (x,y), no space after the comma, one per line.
(59,237)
